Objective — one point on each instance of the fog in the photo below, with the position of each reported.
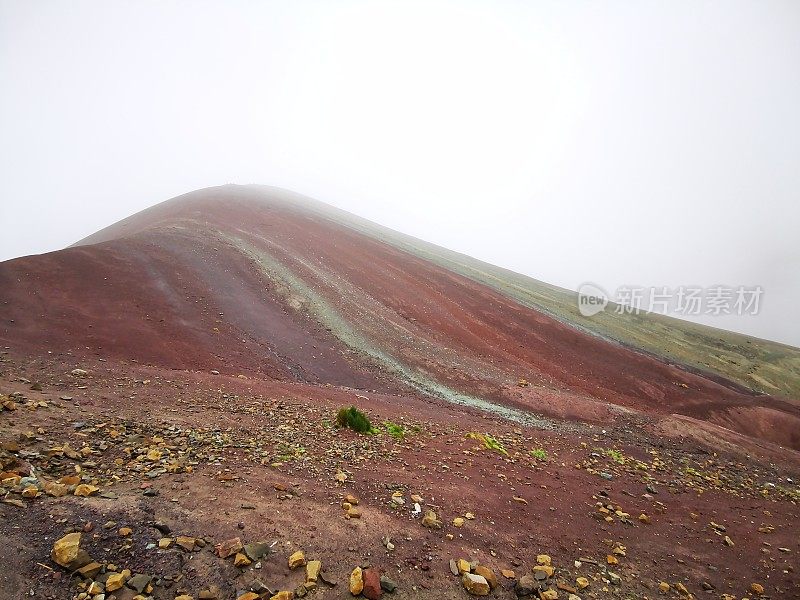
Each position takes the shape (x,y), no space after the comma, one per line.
(638,143)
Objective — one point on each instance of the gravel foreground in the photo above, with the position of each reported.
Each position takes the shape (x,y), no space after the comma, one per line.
(197,485)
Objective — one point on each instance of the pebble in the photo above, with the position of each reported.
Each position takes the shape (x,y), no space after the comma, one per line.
(297,559)
(356,581)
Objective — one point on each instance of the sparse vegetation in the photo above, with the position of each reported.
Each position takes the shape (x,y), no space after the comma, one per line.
(354,419)
(539,453)
(616,455)
(396,431)
(488,442)
(289,452)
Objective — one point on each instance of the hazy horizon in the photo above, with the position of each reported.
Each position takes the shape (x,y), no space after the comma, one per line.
(618,144)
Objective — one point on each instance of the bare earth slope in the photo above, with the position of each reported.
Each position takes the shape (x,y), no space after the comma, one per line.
(243,279)
(171,383)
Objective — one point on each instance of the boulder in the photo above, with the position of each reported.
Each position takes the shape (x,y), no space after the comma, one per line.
(487,574)
(475,584)
(68,553)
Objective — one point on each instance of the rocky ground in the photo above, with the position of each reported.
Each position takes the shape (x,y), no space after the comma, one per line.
(126,481)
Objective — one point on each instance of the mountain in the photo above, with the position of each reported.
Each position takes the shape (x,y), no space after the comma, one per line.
(261,281)
(185,377)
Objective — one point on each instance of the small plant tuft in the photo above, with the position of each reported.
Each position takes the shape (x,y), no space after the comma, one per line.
(488,442)
(396,431)
(353,419)
(617,456)
(539,453)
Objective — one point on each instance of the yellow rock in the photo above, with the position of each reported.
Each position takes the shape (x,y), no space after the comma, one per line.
(297,559)
(10,479)
(91,570)
(463,566)
(164,543)
(66,550)
(56,490)
(663,587)
(312,570)
(350,499)
(757,588)
(281,596)
(248,596)
(85,489)
(612,560)
(582,583)
(475,584)
(186,542)
(682,590)
(487,574)
(240,560)
(544,559)
(458,522)
(115,581)
(154,455)
(30,492)
(354,513)
(356,581)
(431,520)
(508,573)
(347,505)
(125,531)
(643,518)
(183,597)
(548,595)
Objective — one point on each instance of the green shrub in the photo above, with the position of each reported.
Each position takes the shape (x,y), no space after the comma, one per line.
(354,419)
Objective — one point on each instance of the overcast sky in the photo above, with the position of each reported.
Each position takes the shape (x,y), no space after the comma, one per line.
(639,143)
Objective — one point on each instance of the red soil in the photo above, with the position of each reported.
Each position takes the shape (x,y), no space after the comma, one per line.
(167,287)
(152,306)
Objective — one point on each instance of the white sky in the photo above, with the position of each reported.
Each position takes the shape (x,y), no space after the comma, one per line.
(647,143)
